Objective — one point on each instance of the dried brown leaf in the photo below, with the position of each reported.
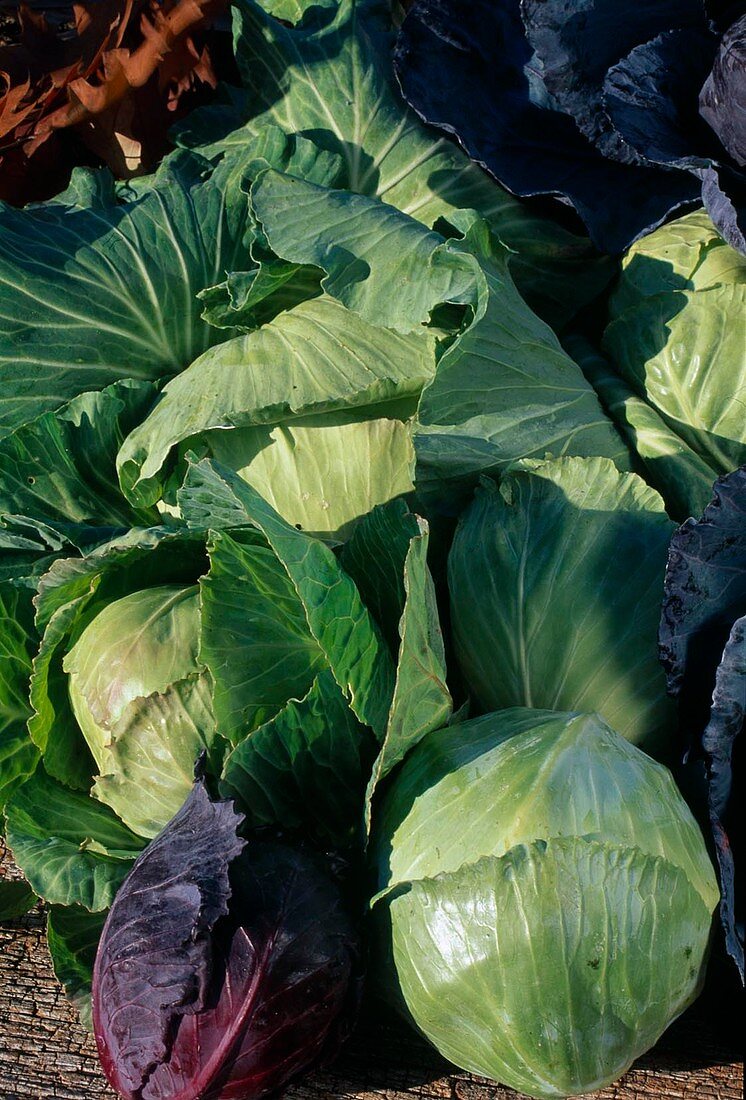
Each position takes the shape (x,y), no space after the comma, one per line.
(113,80)
(13,110)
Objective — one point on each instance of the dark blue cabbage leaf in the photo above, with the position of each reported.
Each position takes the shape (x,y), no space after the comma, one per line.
(720,744)
(647,98)
(703,650)
(722,101)
(577,42)
(724,195)
(225,969)
(592,101)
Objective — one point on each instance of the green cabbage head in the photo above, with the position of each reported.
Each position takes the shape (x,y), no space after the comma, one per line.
(544,898)
(143,701)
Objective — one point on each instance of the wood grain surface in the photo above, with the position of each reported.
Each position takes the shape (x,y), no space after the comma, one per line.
(45,1053)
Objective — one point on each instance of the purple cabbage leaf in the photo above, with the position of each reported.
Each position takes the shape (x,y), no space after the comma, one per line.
(722,101)
(226,967)
(703,649)
(625,112)
(719,743)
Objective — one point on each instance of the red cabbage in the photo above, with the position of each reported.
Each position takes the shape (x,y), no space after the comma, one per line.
(626,112)
(225,969)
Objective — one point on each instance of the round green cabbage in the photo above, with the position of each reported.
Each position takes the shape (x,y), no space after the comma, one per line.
(143,701)
(544,898)
(556,579)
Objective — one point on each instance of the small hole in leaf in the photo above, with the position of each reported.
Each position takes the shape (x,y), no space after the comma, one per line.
(32,480)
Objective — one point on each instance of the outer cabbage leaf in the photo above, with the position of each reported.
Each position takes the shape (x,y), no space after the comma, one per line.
(375,556)
(142,557)
(421,700)
(292,11)
(255,638)
(336,615)
(306,768)
(95,294)
(249,299)
(72,937)
(60,468)
(29,546)
(59,490)
(555,580)
(504,390)
(89,188)
(295,153)
(16,899)
(387,557)
(366,247)
(72,849)
(52,725)
(330,78)
(18,754)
